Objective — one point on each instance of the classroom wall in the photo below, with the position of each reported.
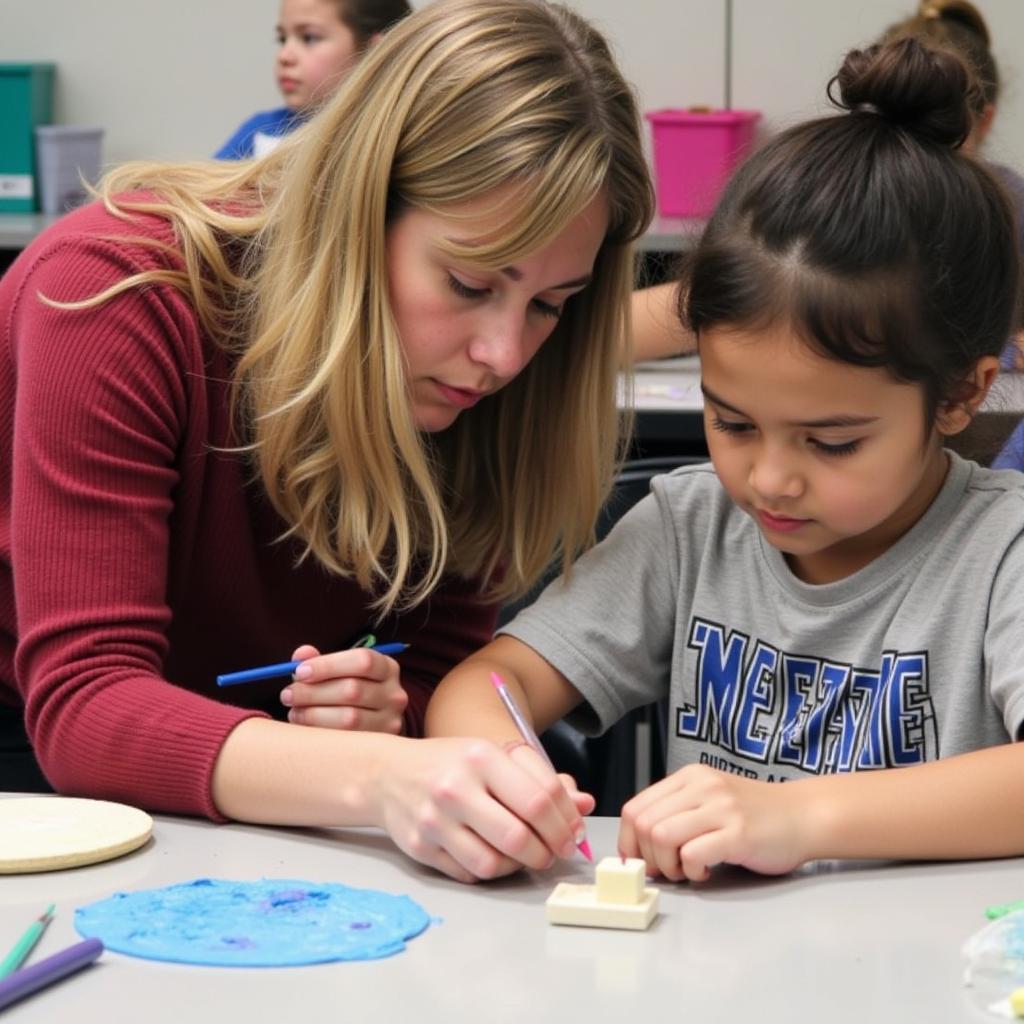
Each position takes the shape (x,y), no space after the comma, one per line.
(172,80)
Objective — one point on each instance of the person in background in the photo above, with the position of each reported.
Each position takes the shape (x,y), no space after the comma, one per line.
(959,26)
(1012,454)
(834,608)
(254,410)
(318,43)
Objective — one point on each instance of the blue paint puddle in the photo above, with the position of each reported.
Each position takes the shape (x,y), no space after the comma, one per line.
(268,923)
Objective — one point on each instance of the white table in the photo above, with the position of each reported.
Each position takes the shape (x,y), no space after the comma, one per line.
(669,407)
(832,943)
(18,229)
(671,234)
(673,385)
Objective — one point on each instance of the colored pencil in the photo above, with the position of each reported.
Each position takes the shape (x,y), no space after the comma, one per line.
(531,739)
(30,979)
(23,946)
(286,668)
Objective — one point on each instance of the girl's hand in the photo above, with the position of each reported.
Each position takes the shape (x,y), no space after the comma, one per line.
(357,689)
(475,811)
(698,817)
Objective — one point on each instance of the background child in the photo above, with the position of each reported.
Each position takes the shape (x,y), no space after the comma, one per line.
(837,604)
(959,26)
(318,42)
(956,25)
(1012,455)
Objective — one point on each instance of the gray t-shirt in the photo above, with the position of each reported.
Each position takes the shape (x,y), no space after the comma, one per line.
(919,655)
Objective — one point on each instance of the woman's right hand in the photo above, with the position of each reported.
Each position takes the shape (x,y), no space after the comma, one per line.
(475,811)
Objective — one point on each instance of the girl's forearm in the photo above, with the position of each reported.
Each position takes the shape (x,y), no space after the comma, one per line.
(657,330)
(465,704)
(963,807)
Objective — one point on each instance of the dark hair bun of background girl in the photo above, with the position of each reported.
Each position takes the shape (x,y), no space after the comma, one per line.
(925,90)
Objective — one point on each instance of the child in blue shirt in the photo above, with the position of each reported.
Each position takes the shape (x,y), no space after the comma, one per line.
(836,603)
(318,42)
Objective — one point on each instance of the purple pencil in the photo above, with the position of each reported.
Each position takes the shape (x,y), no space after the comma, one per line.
(29,979)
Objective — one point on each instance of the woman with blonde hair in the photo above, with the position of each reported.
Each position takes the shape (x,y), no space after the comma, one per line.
(365,383)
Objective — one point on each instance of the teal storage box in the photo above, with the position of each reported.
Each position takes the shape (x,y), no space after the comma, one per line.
(26,100)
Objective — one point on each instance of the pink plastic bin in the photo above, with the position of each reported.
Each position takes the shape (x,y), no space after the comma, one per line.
(694,154)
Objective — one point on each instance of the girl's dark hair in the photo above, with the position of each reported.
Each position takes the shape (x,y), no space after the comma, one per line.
(868,232)
(959,26)
(365,18)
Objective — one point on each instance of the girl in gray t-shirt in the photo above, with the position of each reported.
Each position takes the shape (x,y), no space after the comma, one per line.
(837,603)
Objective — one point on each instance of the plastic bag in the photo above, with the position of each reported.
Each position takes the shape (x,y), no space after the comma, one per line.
(995,965)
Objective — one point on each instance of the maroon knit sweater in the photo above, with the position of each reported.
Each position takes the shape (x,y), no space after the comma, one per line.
(136,562)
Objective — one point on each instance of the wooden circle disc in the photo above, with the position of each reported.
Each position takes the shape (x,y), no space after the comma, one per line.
(53,832)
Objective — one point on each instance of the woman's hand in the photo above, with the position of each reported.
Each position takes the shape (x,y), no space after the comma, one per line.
(358,689)
(475,811)
(698,817)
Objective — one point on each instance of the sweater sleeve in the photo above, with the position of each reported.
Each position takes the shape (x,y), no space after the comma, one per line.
(107,402)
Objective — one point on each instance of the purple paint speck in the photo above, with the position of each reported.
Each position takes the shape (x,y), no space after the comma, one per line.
(283,898)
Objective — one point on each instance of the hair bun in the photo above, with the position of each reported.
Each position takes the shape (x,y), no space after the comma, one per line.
(924,90)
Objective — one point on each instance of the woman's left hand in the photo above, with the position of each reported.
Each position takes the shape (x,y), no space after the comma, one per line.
(356,689)
(698,817)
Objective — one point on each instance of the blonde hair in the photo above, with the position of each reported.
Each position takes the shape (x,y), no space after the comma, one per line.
(285,262)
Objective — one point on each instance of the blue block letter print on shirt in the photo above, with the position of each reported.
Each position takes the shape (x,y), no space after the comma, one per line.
(811,713)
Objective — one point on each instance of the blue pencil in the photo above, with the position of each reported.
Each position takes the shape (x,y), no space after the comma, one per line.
(286,668)
(389,649)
